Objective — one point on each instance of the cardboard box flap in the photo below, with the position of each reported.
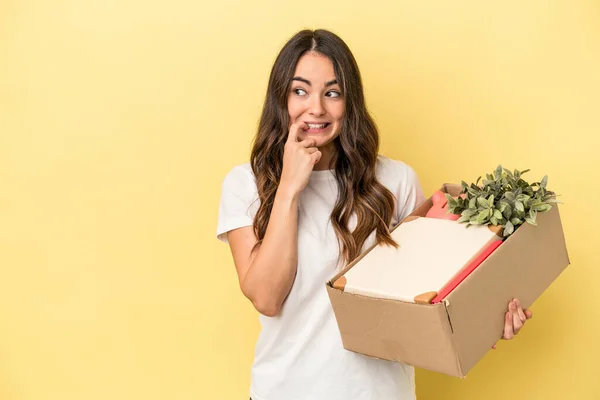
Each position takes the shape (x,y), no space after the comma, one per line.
(389,329)
(431,253)
(420,211)
(452,189)
(510,271)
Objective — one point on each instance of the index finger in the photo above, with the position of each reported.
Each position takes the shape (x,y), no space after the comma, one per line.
(520,311)
(508,326)
(293,133)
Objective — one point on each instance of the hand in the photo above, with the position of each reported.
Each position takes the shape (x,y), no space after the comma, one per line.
(514,319)
(299,159)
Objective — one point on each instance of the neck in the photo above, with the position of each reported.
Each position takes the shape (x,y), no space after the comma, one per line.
(327,153)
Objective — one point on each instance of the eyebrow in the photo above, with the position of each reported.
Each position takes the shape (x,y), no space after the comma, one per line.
(299,78)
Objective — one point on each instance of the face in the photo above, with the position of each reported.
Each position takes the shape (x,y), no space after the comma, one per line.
(316,99)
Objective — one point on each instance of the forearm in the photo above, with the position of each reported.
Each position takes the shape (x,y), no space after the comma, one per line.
(271,274)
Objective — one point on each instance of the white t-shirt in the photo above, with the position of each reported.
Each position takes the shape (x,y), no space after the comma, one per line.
(299,354)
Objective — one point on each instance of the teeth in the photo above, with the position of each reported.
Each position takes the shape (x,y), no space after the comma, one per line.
(313,126)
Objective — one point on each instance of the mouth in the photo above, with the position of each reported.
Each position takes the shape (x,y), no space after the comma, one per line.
(317,128)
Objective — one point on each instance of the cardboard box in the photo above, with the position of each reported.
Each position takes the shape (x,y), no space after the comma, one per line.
(452,336)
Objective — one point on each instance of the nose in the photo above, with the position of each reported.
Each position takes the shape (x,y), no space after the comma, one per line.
(316,106)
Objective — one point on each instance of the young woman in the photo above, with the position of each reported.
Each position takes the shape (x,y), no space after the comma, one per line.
(313,196)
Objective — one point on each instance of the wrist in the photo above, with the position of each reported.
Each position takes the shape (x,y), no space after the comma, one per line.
(286,193)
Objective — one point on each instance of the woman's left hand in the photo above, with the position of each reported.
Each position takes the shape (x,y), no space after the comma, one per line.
(514,319)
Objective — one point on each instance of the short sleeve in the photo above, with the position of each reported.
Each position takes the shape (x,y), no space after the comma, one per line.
(239,201)
(402,180)
(411,194)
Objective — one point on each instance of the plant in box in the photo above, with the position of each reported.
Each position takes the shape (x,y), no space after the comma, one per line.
(504,198)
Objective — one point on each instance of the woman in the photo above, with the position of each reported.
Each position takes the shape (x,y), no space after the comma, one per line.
(314,195)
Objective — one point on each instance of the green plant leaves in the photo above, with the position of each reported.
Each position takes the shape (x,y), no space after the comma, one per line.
(508,211)
(508,228)
(482,216)
(531,217)
(519,206)
(502,198)
(482,202)
(541,207)
(498,172)
(468,213)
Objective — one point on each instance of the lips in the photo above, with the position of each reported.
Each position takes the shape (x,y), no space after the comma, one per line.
(318,126)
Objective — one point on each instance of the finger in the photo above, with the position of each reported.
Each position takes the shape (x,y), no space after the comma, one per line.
(528,314)
(308,142)
(293,133)
(517,323)
(316,156)
(522,316)
(294,129)
(494,347)
(508,326)
(312,150)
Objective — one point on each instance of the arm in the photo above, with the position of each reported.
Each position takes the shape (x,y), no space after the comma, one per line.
(267,275)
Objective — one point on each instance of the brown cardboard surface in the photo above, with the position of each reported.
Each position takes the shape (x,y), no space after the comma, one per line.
(451,337)
(522,267)
(394,330)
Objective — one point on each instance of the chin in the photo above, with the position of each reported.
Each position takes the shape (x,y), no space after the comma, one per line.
(322,142)
(320,139)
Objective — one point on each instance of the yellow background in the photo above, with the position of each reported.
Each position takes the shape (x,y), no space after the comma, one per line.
(119,120)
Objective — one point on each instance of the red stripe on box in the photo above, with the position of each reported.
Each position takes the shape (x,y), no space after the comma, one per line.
(450,286)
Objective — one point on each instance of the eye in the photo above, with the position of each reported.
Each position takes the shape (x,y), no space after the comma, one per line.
(333,93)
(299,92)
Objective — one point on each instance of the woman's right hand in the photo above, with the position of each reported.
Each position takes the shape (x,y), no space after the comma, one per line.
(299,159)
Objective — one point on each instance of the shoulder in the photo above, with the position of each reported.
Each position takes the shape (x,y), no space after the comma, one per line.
(244,169)
(402,180)
(395,174)
(240,179)
(240,173)
(239,200)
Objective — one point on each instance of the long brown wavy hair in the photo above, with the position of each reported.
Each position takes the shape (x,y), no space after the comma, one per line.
(357,147)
